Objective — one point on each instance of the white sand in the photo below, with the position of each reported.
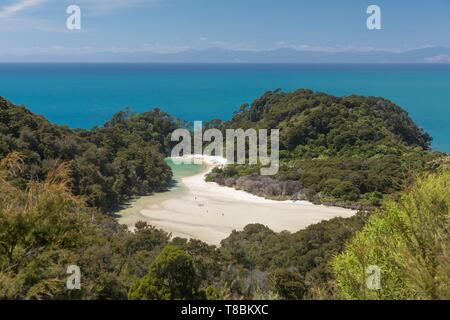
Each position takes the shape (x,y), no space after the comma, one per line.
(209,212)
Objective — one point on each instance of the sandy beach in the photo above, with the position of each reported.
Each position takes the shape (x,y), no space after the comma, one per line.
(209,212)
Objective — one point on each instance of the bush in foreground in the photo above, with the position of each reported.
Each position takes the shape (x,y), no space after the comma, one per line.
(172,276)
(409,241)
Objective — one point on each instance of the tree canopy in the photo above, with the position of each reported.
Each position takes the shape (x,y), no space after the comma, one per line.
(172,276)
(56,184)
(347,151)
(108,165)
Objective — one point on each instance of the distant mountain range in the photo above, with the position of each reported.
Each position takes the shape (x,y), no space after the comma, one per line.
(218,55)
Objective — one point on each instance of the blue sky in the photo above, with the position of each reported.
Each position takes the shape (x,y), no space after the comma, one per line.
(38,26)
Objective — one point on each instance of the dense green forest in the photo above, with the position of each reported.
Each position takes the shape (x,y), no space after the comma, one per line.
(57,184)
(349,151)
(108,165)
(44,228)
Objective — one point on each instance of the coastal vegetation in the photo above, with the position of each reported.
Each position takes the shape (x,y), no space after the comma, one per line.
(172,276)
(347,151)
(408,240)
(44,228)
(108,165)
(57,186)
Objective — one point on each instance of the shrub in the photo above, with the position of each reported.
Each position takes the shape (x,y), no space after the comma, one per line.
(409,241)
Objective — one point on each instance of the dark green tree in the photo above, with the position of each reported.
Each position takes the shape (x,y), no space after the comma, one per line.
(172,276)
(289,284)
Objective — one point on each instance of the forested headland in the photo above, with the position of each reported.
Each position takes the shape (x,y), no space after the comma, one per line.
(347,151)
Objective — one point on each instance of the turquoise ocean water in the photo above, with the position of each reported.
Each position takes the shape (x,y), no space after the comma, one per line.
(85,95)
(184,170)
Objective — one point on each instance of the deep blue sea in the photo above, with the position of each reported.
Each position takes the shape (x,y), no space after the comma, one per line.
(85,95)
